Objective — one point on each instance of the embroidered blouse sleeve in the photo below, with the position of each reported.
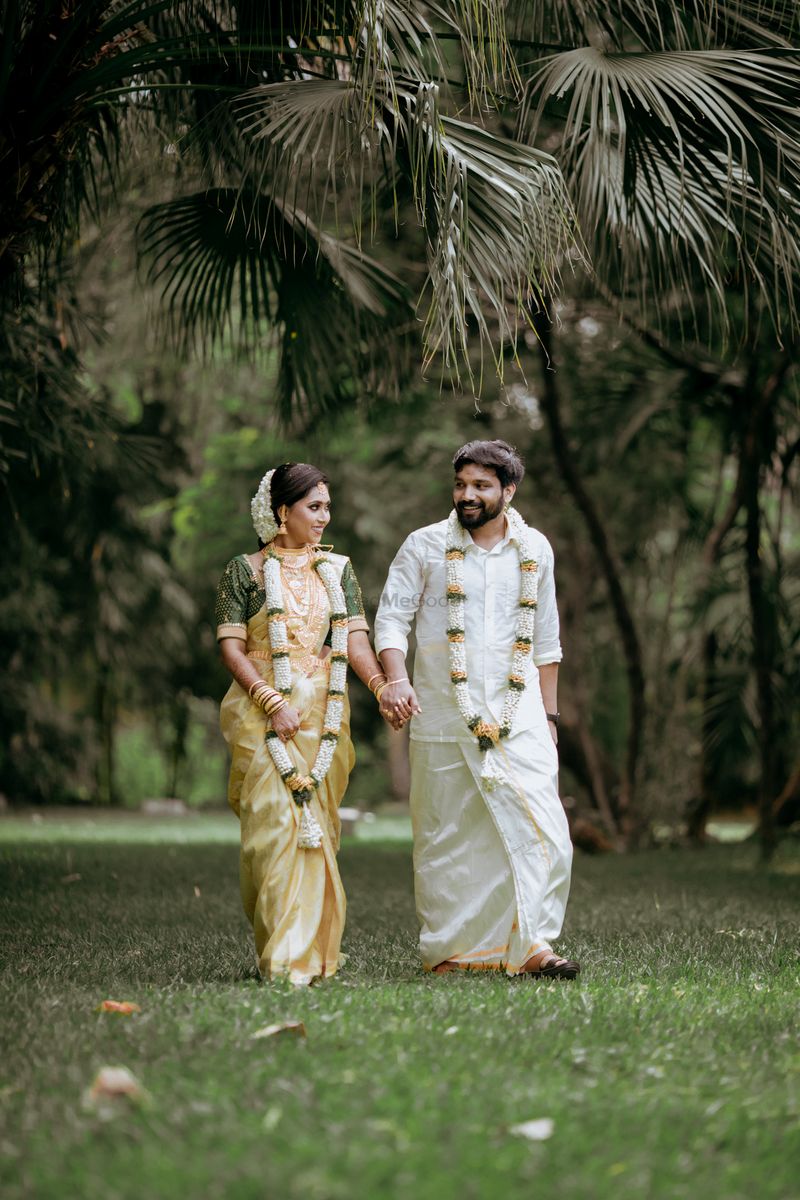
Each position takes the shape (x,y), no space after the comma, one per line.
(546,643)
(356,619)
(401,598)
(231,610)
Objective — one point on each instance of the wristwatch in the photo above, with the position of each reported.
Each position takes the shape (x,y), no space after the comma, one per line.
(554,717)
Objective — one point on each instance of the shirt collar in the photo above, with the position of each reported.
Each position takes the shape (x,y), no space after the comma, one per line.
(508,536)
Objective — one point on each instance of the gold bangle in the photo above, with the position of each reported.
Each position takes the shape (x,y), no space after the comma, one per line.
(265,697)
(277,708)
(405,679)
(378,675)
(379,690)
(256,683)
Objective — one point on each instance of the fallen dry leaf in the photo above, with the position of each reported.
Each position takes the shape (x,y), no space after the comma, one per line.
(196,892)
(295,1028)
(70,878)
(124,1007)
(535,1131)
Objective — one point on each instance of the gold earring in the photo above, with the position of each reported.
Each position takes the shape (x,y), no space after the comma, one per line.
(282,530)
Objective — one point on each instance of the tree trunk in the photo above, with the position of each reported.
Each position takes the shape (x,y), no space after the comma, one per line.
(700,809)
(762,617)
(105,718)
(180,730)
(787,806)
(630,823)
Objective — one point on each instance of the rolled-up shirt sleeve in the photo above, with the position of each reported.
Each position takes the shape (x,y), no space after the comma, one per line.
(400,600)
(546,640)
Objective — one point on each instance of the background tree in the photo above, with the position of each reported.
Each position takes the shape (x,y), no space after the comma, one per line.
(325,162)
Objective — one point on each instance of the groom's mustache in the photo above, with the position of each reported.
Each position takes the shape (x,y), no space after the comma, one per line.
(472,505)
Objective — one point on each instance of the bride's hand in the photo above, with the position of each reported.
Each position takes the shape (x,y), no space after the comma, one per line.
(399,703)
(286,723)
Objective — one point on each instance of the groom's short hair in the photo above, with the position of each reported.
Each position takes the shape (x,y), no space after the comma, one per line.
(502,458)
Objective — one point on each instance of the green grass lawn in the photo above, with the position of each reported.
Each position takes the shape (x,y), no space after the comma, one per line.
(669,1070)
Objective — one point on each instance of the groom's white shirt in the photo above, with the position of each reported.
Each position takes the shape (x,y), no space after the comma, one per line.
(415,587)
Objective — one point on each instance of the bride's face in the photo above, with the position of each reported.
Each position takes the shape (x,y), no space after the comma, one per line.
(307,518)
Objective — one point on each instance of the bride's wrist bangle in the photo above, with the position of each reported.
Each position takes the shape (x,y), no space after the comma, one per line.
(379,691)
(377,675)
(265,697)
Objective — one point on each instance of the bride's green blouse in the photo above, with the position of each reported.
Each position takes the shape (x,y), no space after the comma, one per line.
(241,595)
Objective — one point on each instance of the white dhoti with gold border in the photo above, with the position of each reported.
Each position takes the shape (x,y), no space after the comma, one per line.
(491,867)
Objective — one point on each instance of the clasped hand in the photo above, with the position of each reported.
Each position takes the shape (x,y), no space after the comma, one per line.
(286,722)
(399,704)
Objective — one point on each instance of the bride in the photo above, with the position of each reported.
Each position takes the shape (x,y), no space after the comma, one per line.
(289,619)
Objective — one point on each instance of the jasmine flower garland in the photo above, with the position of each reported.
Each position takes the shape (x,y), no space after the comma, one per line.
(302,787)
(488,734)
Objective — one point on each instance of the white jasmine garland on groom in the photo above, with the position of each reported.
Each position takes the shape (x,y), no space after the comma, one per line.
(487,733)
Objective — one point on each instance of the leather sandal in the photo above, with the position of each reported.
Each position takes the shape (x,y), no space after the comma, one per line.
(550,966)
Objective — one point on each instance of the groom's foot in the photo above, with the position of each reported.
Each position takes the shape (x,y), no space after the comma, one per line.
(547,965)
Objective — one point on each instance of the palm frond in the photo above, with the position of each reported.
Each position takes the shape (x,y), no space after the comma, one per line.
(482,29)
(299,131)
(240,267)
(656,25)
(497,215)
(653,25)
(682,163)
(499,226)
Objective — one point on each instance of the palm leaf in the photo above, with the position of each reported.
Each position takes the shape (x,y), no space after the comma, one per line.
(236,267)
(499,225)
(682,163)
(652,25)
(497,216)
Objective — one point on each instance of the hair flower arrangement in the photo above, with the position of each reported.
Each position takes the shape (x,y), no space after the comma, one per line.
(264,521)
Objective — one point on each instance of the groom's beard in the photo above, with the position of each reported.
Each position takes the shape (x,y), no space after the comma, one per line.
(479,515)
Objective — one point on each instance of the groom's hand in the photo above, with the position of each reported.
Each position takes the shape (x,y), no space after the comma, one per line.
(399,703)
(396,723)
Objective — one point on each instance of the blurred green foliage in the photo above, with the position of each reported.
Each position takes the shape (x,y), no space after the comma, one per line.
(106,603)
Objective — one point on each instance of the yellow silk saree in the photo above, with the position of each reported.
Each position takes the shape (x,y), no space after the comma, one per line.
(293,897)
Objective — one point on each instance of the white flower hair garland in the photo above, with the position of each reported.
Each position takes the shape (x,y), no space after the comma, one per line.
(302,787)
(264,522)
(488,734)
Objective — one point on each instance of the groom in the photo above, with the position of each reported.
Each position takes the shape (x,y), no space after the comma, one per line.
(492,852)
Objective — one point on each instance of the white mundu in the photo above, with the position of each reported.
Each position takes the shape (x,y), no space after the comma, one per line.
(491,862)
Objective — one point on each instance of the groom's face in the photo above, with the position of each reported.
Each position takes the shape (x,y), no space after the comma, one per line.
(478,495)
